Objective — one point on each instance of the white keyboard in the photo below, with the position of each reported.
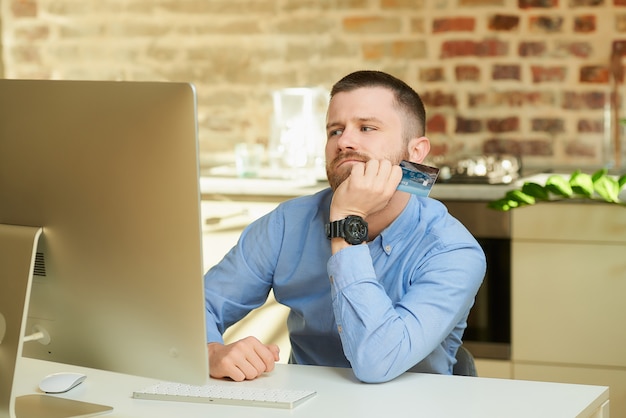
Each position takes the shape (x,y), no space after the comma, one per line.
(232,394)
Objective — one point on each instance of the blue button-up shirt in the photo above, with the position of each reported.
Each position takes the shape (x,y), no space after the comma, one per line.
(400,302)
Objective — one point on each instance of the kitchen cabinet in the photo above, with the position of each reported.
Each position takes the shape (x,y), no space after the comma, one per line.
(569,294)
(499,369)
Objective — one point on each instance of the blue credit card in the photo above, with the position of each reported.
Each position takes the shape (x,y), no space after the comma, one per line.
(417,178)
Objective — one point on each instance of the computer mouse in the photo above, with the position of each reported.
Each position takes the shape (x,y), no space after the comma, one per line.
(61,382)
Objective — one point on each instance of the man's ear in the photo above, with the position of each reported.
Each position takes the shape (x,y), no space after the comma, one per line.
(418,149)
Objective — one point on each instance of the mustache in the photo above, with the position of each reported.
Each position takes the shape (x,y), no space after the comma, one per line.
(348,155)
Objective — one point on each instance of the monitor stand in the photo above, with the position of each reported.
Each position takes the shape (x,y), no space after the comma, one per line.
(18,245)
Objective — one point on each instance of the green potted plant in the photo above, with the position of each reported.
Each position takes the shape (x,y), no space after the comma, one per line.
(599,186)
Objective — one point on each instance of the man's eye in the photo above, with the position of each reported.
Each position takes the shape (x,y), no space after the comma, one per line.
(334,132)
(366,128)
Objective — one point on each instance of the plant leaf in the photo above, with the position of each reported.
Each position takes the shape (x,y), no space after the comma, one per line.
(535,190)
(559,185)
(581,183)
(520,197)
(602,172)
(500,204)
(607,188)
(602,186)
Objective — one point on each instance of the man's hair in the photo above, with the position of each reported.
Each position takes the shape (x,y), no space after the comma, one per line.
(407,99)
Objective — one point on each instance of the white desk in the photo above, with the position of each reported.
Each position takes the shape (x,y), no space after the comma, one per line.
(339,394)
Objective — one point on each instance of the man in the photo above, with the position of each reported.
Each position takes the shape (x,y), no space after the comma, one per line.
(390,295)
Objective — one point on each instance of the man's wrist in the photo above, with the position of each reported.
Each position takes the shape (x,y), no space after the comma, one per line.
(353,229)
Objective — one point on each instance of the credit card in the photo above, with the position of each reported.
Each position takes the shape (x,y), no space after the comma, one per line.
(417,178)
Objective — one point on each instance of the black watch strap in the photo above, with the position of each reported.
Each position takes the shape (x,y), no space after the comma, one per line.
(352,228)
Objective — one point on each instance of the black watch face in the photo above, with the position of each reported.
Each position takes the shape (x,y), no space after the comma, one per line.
(355,230)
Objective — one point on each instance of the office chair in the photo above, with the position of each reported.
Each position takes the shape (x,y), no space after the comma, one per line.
(464,363)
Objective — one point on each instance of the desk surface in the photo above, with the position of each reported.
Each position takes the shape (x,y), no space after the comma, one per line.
(340,394)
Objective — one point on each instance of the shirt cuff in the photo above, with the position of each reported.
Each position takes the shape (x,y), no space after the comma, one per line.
(350,265)
(213,335)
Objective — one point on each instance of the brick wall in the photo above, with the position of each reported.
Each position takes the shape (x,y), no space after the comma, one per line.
(523,76)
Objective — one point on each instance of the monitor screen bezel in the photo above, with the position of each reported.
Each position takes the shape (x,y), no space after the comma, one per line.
(110,171)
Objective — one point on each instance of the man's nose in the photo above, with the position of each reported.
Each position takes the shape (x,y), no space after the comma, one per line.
(348,139)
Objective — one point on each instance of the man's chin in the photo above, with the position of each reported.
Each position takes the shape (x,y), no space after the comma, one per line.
(334,182)
(335,179)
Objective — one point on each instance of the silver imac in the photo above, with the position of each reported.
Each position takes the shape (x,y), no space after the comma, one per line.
(101,178)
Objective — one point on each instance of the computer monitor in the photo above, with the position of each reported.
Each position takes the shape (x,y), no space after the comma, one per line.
(109,172)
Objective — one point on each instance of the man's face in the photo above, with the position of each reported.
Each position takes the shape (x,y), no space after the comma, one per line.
(362,124)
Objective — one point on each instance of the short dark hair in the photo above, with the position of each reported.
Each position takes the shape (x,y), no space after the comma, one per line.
(406,98)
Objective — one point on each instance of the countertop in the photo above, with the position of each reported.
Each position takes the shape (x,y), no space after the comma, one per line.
(233,187)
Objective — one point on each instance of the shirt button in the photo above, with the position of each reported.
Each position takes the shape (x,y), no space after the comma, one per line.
(339,328)
(388,248)
(332,280)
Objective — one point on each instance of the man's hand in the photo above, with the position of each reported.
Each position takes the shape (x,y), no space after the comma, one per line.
(367,190)
(245,359)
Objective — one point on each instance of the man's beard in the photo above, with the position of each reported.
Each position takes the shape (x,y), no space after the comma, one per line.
(336,176)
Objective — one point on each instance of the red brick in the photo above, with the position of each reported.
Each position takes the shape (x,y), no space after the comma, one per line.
(530,147)
(454,24)
(451,49)
(547,24)
(585,24)
(594,74)
(436,124)
(480,3)
(537,147)
(492,48)
(510,124)
(503,22)
(545,4)
(371,24)
(549,125)
(619,48)
(548,74)
(486,48)
(583,101)
(585,3)
(432,74)
(394,49)
(512,98)
(438,149)
(401,4)
(502,146)
(532,49)
(468,126)
(24,8)
(590,126)
(578,148)
(467,73)
(506,72)
(479,100)
(438,99)
(579,49)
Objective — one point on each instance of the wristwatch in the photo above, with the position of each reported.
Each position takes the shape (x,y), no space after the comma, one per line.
(352,228)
